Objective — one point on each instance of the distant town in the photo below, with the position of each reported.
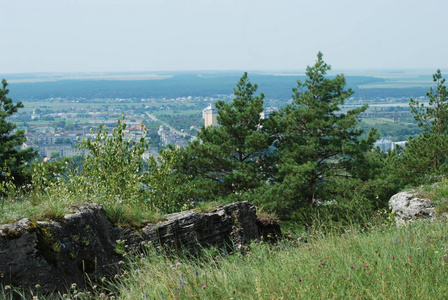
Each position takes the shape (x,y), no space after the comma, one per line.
(56,133)
(58,114)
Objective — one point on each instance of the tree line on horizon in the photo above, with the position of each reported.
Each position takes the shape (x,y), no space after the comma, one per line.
(190,84)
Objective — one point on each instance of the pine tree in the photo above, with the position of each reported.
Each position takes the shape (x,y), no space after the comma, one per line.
(316,142)
(428,152)
(12,158)
(231,157)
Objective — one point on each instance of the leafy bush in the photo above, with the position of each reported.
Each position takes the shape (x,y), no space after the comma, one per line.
(114,173)
(112,170)
(168,190)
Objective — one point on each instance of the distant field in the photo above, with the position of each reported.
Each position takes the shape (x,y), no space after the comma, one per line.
(29,78)
(397,84)
(175,112)
(54,105)
(275,85)
(374,121)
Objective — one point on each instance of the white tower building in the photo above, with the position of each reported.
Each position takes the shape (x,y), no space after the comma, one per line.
(209,114)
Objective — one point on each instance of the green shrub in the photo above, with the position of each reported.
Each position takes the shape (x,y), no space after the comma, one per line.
(112,170)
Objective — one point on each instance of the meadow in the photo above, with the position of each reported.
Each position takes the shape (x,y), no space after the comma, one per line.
(376,260)
(380,262)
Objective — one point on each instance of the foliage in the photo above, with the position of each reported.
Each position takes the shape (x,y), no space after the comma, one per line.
(113,168)
(426,155)
(170,191)
(232,157)
(7,190)
(434,117)
(12,158)
(133,191)
(315,142)
(46,174)
(115,171)
(320,172)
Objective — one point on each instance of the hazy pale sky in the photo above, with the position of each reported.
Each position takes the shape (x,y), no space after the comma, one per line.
(157,35)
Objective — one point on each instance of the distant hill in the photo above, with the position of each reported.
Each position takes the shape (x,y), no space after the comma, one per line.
(187,84)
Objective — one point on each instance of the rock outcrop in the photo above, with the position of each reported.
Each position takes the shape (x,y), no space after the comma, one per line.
(409,205)
(86,245)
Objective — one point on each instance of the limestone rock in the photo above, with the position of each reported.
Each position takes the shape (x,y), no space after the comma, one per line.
(57,254)
(410,206)
(233,223)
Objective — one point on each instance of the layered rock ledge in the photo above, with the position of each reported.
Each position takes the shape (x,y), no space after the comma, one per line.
(86,245)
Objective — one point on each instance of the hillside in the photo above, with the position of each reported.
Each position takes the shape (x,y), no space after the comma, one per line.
(274,86)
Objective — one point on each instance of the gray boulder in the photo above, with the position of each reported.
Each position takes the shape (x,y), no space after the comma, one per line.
(409,205)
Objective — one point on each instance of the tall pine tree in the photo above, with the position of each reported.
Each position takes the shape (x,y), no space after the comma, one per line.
(12,158)
(231,157)
(427,153)
(316,142)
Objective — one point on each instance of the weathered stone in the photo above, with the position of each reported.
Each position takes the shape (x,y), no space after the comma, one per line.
(233,223)
(55,255)
(410,206)
(58,254)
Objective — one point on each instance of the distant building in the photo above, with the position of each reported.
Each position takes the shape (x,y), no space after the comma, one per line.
(210,114)
(151,152)
(402,144)
(168,137)
(268,110)
(44,130)
(34,116)
(386,144)
(60,150)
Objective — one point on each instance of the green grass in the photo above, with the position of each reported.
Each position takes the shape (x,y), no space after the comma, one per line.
(374,121)
(47,207)
(385,263)
(207,206)
(438,193)
(56,201)
(376,262)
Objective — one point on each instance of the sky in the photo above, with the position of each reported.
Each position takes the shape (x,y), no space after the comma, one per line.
(168,35)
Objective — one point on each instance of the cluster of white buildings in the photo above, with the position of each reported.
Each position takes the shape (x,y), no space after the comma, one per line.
(385,144)
(171,138)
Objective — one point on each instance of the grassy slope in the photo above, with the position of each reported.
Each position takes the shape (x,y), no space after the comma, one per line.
(387,263)
(384,262)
